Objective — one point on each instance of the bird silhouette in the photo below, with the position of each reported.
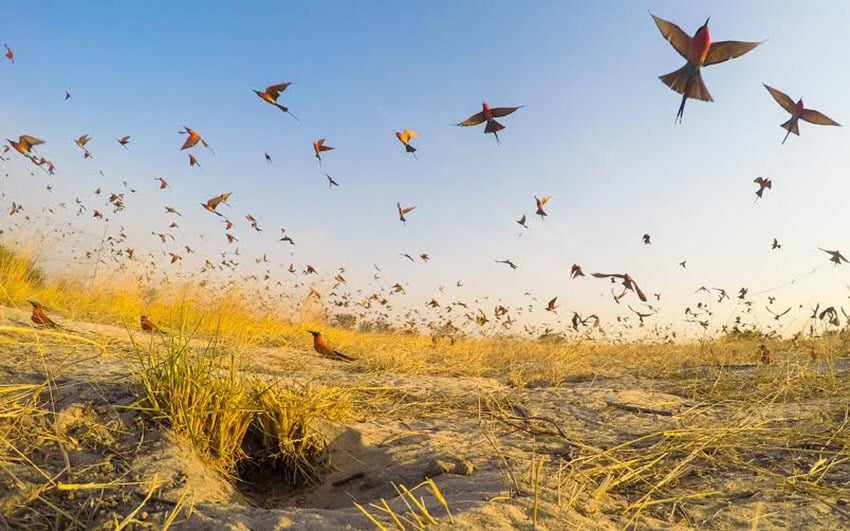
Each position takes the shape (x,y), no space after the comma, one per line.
(489,115)
(798,112)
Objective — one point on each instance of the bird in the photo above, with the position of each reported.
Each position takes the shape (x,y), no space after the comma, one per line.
(775,315)
(331,181)
(521,222)
(268,158)
(67,95)
(213,202)
(798,112)
(319,146)
(683,264)
(321,346)
(147,325)
(775,244)
(576,271)
(403,211)
(508,263)
(404,137)
(81,143)
(193,138)
(193,161)
(489,115)
(124,140)
(39,317)
(10,55)
(765,356)
(541,202)
(698,51)
(24,145)
(835,256)
(646,239)
(163,184)
(550,306)
(763,183)
(271,94)
(628,282)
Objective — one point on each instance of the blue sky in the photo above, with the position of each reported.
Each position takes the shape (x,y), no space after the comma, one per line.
(596,133)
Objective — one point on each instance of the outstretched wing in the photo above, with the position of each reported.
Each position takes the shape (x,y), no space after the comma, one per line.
(640,294)
(781,98)
(725,50)
(275,90)
(498,112)
(815,117)
(475,119)
(674,35)
(607,275)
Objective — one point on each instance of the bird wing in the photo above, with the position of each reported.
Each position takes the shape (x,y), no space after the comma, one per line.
(475,119)
(275,90)
(781,98)
(190,142)
(606,275)
(498,112)
(674,35)
(725,50)
(814,117)
(30,140)
(640,294)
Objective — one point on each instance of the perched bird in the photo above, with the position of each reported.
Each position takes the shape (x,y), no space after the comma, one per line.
(646,240)
(489,115)
(270,95)
(628,282)
(798,112)
(765,356)
(698,51)
(835,256)
(325,350)
(403,211)
(404,137)
(541,202)
(39,317)
(147,325)
(576,271)
(319,146)
(763,183)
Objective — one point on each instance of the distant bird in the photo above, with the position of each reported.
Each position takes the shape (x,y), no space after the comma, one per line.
(698,51)
(775,244)
(213,202)
(124,140)
(683,264)
(193,161)
(835,256)
(325,350)
(628,282)
(404,137)
(550,306)
(67,95)
(163,184)
(798,112)
(775,315)
(489,115)
(10,55)
(508,263)
(193,138)
(763,183)
(39,317)
(576,271)
(645,239)
(541,202)
(81,143)
(271,94)
(331,181)
(403,211)
(765,356)
(424,257)
(147,325)
(521,222)
(319,146)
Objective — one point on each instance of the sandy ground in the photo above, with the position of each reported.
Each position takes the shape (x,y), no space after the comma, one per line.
(422,427)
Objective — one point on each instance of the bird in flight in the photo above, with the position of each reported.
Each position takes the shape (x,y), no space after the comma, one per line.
(404,137)
(798,112)
(763,183)
(193,139)
(646,239)
(322,347)
(576,271)
(521,222)
(24,145)
(775,244)
(271,94)
(550,306)
(10,55)
(508,263)
(319,146)
(124,140)
(331,181)
(628,282)
(541,202)
(81,143)
(213,203)
(835,256)
(698,51)
(403,211)
(489,115)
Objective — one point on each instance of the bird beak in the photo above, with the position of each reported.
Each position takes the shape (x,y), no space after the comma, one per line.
(706,22)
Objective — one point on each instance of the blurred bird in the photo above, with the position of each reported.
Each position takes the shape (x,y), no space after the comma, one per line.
(835,256)
(39,317)
(403,211)
(521,222)
(550,306)
(67,95)
(763,183)
(628,282)
(163,184)
(325,350)
(541,202)
(147,325)
(213,202)
(193,161)
(508,263)
(331,181)
(24,145)
(646,239)
(765,356)
(489,115)
(81,143)
(576,271)
(270,95)
(775,244)
(319,146)
(698,51)
(798,112)
(404,137)
(124,140)
(10,55)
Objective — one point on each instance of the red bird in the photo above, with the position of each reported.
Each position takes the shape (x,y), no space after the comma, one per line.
(10,55)
(576,271)
(763,183)
(319,146)
(541,202)
(322,347)
(402,211)
(270,95)
(489,115)
(628,282)
(698,51)
(798,112)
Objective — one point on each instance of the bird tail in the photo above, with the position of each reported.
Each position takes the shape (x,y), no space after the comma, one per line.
(281,107)
(687,81)
(540,212)
(409,148)
(342,356)
(792,127)
(493,126)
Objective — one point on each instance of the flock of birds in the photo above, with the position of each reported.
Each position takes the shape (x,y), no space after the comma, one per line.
(372,305)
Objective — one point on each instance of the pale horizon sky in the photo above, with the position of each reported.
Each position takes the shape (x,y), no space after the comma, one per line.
(596,132)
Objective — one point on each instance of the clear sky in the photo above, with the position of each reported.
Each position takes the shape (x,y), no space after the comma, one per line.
(596,132)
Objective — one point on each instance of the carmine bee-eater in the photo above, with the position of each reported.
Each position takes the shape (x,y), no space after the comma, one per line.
(270,95)
(322,347)
(489,115)
(39,317)
(24,145)
(402,211)
(404,137)
(541,202)
(319,146)
(698,51)
(798,112)
(763,183)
